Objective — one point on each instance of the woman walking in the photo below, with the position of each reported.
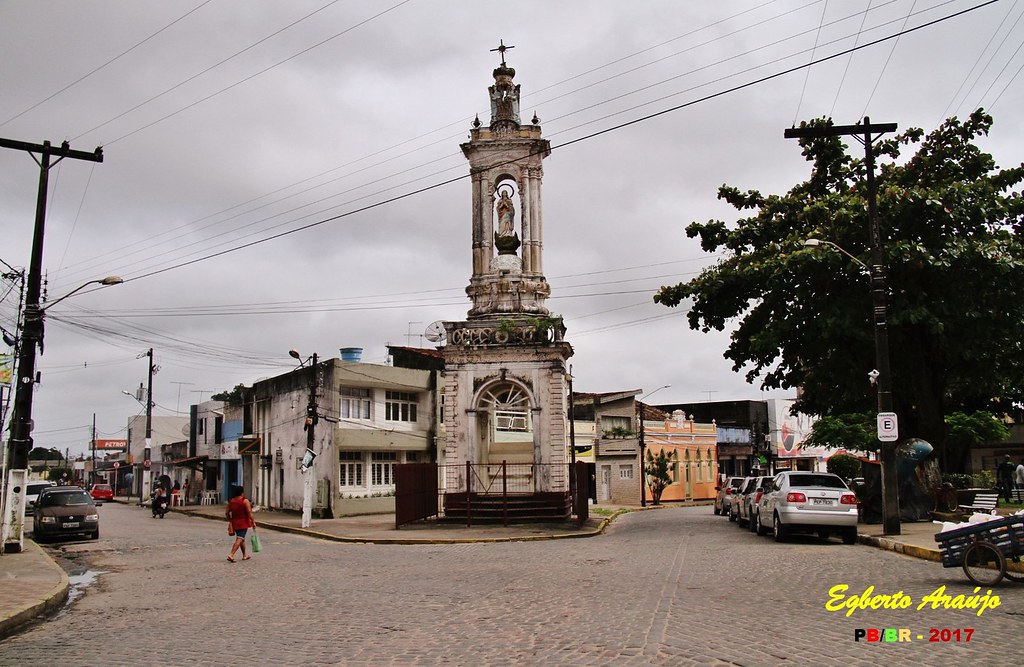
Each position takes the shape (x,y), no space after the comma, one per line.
(239,516)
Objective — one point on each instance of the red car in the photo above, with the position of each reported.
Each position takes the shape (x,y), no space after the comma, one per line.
(102,492)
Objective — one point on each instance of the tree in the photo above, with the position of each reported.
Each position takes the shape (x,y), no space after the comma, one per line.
(847,467)
(951,225)
(234,398)
(658,471)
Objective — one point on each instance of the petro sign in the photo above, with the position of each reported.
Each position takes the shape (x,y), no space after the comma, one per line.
(112,445)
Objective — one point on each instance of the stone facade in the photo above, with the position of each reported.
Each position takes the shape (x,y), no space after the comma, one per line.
(505,386)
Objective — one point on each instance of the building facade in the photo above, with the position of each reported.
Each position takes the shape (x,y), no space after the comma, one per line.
(366,418)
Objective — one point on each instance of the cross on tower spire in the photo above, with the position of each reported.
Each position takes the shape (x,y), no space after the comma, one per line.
(502,49)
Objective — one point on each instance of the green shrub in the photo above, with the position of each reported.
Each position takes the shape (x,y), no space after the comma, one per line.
(845,466)
(986,479)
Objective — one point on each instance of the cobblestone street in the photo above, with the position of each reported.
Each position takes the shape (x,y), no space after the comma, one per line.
(676,586)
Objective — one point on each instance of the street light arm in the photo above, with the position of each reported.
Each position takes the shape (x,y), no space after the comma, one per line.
(816,243)
(109,280)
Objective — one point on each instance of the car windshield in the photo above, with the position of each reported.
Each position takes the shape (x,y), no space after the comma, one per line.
(102,487)
(64,499)
(34,489)
(830,481)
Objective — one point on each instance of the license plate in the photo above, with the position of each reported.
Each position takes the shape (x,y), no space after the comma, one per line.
(71,524)
(821,501)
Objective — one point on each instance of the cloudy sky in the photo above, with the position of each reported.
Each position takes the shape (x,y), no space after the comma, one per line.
(285,175)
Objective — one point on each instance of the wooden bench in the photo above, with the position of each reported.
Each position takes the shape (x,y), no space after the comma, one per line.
(983,502)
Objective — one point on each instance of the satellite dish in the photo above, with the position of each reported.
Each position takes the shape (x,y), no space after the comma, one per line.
(435,332)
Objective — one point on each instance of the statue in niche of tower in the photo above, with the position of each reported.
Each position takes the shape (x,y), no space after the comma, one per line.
(505,239)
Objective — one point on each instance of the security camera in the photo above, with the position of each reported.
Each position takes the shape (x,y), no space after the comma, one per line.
(873,376)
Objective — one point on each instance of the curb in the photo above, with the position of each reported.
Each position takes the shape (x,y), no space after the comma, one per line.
(50,600)
(900,548)
(410,540)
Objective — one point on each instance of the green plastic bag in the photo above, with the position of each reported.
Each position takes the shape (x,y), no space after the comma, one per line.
(255,542)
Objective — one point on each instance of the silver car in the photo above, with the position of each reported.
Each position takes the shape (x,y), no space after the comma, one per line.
(726,493)
(808,502)
(744,506)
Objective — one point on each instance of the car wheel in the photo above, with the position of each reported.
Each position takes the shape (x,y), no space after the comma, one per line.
(752,523)
(850,536)
(716,510)
(778,530)
(761,530)
(732,517)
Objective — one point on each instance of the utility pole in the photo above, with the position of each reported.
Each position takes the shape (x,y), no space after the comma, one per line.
(145,478)
(307,462)
(20,443)
(92,466)
(890,483)
(572,445)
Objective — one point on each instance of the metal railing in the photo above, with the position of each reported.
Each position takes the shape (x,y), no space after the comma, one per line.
(467,490)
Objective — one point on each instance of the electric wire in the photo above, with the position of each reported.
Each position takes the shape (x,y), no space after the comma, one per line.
(888,59)
(104,65)
(807,72)
(244,80)
(541,103)
(849,61)
(977,61)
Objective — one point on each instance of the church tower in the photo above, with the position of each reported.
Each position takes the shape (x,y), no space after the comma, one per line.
(505,392)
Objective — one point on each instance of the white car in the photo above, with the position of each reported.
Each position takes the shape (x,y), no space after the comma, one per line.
(808,502)
(32,490)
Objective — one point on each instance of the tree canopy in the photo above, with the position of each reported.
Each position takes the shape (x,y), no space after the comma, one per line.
(951,223)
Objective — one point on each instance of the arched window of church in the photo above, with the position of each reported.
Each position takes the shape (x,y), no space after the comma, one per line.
(510,406)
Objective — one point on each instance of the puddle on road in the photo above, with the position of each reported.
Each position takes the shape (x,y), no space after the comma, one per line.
(78,581)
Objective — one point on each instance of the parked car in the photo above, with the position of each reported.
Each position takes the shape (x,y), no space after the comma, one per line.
(723,500)
(808,502)
(65,510)
(32,491)
(102,492)
(743,506)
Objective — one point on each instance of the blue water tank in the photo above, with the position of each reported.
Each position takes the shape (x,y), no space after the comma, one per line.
(351,353)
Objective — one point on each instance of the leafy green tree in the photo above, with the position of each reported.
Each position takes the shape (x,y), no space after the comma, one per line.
(234,398)
(658,471)
(845,466)
(951,224)
(848,431)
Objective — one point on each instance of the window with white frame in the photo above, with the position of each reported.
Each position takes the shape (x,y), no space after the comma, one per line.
(351,469)
(355,403)
(626,472)
(382,468)
(400,406)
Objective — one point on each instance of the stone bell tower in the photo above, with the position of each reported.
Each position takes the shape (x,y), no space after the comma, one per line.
(505,375)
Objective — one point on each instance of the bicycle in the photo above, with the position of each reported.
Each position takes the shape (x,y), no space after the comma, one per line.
(943,497)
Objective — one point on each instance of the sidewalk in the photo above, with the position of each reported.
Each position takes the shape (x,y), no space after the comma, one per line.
(32,584)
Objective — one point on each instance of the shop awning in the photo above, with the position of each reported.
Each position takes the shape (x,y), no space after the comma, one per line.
(194,462)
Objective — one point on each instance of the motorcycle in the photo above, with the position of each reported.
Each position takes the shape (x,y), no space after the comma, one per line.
(159,506)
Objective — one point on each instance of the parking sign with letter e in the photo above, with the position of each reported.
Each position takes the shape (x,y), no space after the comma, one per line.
(888,427)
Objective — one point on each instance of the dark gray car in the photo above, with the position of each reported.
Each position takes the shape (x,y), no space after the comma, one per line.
(63,511)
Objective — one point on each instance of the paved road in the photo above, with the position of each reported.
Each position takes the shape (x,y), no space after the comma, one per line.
(676,586)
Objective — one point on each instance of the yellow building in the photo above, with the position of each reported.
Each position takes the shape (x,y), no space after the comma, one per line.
(694,469)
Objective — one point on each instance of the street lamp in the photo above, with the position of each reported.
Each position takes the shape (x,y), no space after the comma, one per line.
(310,424)
(12,525)
(882,378)
(640,421)
(817,243)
